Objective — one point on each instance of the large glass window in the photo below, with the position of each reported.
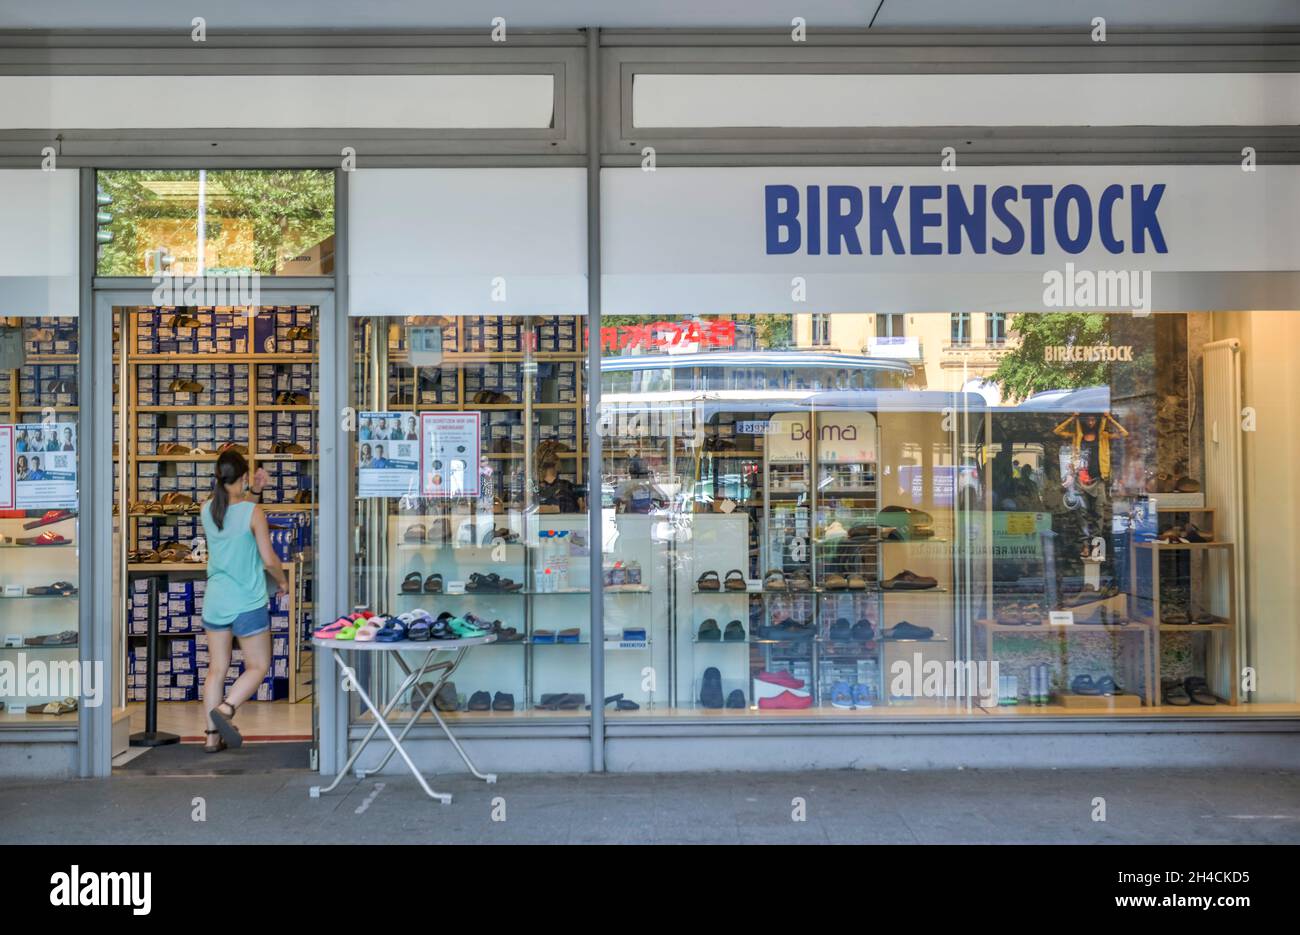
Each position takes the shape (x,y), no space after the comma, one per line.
(471,498)
(40,484)
(1040,530)
(195,222)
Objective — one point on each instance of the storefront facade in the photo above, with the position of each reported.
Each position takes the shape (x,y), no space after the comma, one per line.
(952,427)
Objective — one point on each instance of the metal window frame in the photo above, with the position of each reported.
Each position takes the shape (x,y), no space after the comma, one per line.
(633,52)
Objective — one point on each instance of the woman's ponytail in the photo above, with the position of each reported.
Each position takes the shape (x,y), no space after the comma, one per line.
(231,466)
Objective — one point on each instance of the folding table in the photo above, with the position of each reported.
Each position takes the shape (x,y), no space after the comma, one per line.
(427,666)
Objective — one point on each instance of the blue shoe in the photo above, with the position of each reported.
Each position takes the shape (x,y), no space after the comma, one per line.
(861,696)
(841,696)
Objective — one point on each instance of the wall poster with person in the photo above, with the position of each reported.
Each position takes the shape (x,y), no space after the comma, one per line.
(43,466)
(388,454)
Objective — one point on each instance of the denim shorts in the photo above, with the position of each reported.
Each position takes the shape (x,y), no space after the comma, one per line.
(249,623)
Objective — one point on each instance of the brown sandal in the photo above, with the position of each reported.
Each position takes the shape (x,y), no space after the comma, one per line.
(220,744)
(229,732)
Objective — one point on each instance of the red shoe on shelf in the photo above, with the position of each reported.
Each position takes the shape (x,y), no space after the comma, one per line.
(782,678)
(786,701)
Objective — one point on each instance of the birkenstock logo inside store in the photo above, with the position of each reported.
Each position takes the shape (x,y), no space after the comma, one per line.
(88,888)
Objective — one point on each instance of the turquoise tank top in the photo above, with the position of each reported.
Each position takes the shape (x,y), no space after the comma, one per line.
(236,574)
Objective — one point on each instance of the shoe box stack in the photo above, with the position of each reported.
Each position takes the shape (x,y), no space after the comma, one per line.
(436,386)
(503,432)
(153,531)
(206,430)
(556,382)
(493,334)
(183,657)
(275,427)
(499,377)
(187,477)
(48,385)
(218,332)
(290,533)
(288,323)
(50,335)
(557,335)
(285,479)
(222,385)
(274,379)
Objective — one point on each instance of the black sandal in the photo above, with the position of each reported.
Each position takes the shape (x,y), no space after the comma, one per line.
(221,743)
(228,731)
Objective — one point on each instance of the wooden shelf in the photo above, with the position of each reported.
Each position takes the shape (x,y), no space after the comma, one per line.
(1173,546)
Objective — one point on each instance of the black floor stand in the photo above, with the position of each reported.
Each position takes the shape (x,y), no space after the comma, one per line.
(151,736)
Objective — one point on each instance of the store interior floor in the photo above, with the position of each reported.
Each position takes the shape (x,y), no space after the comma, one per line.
(258,720)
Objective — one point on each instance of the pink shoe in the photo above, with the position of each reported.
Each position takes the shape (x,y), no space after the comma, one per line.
(787,701)
(330,631)
(782,678)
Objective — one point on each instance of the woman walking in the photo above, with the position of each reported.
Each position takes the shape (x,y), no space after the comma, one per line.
(235,604)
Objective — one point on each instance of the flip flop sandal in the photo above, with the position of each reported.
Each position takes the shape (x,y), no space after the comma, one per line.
(225,726)
(415,533)
(836,582)
(50,517)
(510,585)
(570,635)
(66,638)
(433,584)
(543,637)
(735,632)
(220,744)
(56,708)
(477,582)
(709,632)
(366,633)
(233,446)
(347,633)
(863,630)
(735,580)
(288,448)
(393,631)
(1175,618)
(857,583)
(45,538)
(708,581)
(419,630)
(412,583)
(774,580)
(329,631)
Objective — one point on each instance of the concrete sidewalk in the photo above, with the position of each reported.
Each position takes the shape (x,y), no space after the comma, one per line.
(967,806)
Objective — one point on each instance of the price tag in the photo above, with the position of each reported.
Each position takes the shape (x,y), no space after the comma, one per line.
(1061,618)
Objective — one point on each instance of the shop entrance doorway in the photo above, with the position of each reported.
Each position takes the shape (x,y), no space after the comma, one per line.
(191,382)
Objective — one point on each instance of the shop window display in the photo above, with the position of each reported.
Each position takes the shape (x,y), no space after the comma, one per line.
(470,473)
(39,530)
(836,533)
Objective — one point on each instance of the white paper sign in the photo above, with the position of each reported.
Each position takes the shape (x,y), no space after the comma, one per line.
(1060,618)
(449,454)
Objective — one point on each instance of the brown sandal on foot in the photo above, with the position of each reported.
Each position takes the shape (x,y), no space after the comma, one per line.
(220,745)
(228,731)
